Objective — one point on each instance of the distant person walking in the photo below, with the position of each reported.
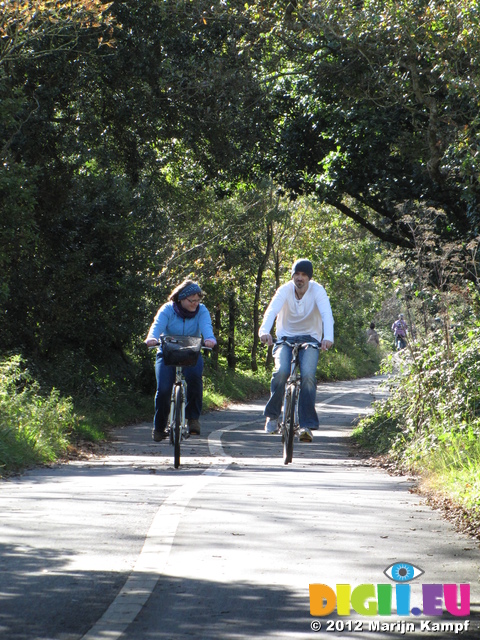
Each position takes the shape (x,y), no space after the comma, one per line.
(399,328)
(372,335)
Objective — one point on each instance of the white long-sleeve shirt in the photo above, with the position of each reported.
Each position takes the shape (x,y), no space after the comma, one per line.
(312,315)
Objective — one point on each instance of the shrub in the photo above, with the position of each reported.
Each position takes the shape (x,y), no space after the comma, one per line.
(34,426)
(432,415)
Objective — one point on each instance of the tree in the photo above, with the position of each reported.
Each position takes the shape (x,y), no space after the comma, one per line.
(35,35)
(94,138)
(377,108)
(139,143)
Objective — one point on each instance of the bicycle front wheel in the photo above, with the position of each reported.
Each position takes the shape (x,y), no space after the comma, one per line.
(289,423)
(177,426)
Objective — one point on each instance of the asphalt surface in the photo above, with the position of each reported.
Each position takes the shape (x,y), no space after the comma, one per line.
(124,546)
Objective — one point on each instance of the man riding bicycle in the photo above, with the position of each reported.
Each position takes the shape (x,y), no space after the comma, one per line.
(303,313)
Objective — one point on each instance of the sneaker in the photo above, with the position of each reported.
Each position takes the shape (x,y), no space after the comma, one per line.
(193,427)
(271,425)
(158,435)
(305,435)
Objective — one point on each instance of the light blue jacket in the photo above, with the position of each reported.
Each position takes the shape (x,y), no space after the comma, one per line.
(168,323)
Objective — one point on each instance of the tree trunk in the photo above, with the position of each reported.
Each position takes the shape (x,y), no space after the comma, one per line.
(217,329)
(231,358)
(258,288)
(269,362)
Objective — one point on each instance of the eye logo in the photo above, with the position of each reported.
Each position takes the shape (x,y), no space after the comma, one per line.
(403,572)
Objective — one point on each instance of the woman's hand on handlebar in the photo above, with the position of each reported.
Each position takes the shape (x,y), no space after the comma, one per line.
(152,342)
(210,344)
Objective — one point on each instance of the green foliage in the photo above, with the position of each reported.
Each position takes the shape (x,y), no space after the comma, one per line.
(224,385)
(358,363)
(431,419)
(459,482)
(103,165)
(97,414)
(378,431)
(34,427)
(376,106)
(440,398)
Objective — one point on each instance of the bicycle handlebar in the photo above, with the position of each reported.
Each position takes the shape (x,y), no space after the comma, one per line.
(159,342)
(302,345)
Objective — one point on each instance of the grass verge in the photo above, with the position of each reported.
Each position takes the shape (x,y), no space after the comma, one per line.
(34,426)
(446,469)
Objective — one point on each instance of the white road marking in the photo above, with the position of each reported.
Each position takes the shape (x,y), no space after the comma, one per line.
(156,549)
(159,541)
(331,399)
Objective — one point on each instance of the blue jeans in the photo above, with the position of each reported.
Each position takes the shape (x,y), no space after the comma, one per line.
(308,366)
(165,378)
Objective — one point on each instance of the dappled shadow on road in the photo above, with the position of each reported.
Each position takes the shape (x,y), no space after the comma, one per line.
(182,609)
(329,445)
(337,405)
(39,599)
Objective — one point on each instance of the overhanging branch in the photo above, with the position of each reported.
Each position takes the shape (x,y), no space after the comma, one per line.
(386,236)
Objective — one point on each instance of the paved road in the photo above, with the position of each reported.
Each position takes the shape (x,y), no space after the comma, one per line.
(124,546)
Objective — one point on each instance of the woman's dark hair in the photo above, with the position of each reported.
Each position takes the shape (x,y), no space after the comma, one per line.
(372,325)
(173,297)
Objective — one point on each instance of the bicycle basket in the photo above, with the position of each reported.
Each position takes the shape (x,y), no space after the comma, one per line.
(181,351)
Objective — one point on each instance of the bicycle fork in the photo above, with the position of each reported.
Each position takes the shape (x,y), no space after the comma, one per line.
(179,382)
(294,380)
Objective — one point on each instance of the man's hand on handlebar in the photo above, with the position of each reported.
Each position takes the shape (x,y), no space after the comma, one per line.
(267,339)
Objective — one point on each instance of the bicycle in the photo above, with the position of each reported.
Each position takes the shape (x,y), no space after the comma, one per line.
(290,425)
(179,351)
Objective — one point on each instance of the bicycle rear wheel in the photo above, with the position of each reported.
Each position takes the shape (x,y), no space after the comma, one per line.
(177,426)
(289,423)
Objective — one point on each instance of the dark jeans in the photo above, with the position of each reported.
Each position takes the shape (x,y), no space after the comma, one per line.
(165,378)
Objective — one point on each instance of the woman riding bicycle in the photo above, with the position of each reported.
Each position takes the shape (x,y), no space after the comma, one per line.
(303,313)
(182,315)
